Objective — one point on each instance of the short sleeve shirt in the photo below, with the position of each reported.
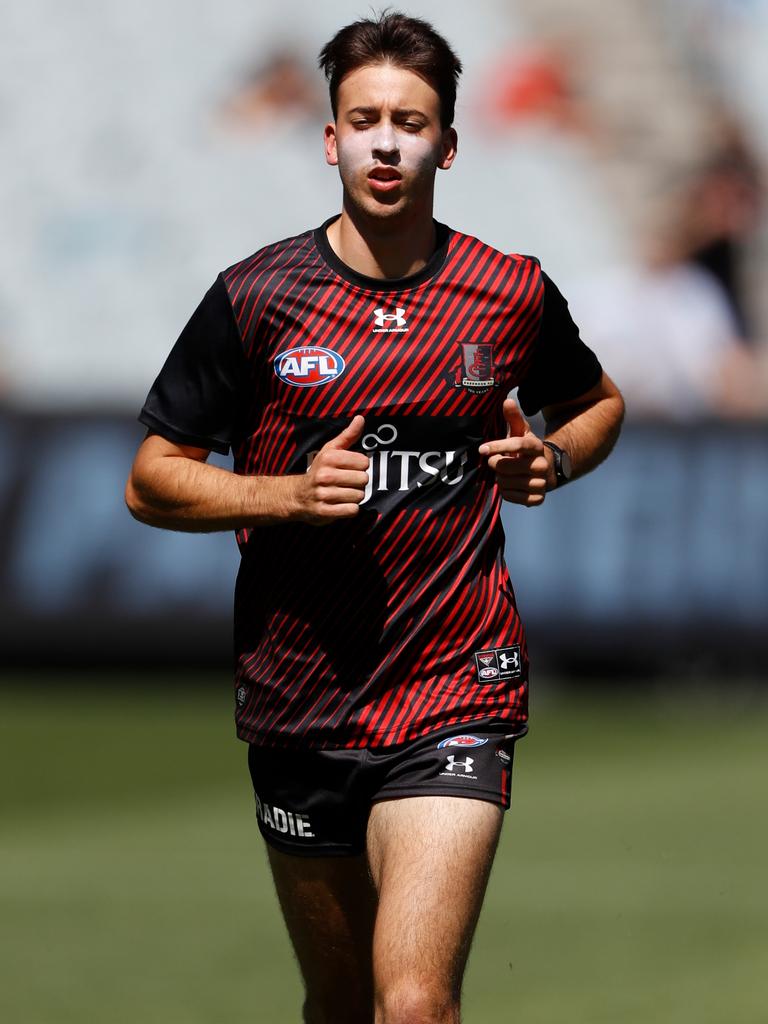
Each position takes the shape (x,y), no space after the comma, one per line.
(377,629)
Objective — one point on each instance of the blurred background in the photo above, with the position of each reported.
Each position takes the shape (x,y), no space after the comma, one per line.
(146,148)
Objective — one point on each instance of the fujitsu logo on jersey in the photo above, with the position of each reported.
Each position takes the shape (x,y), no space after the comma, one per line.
(429,462)
(404,469)
(308,367)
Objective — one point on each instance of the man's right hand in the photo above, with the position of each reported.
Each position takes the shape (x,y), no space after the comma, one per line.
(334,485)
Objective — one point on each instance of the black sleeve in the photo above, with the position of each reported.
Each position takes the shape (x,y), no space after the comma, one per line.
(562,367)
(198,396)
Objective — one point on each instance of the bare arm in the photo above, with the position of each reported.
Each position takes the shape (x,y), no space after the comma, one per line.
(587,428)
(173,487)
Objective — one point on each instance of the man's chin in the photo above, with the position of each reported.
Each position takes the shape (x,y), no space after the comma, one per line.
(381,208)
(385,204)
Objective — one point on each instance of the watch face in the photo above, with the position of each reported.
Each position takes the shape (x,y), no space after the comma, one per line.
(562,460)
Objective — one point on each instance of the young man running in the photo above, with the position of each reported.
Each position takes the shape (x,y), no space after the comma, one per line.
(359,372)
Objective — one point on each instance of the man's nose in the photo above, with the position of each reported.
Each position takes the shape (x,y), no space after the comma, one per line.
(385,140)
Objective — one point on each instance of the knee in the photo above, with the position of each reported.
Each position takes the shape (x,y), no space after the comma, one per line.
(415,1001)
(338,1009)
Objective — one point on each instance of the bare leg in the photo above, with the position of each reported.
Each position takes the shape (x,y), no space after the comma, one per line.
(329,905)
(430,858)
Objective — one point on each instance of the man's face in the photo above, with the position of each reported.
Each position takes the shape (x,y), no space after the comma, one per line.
(387,141)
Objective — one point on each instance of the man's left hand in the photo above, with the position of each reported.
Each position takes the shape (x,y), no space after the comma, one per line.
(519,461)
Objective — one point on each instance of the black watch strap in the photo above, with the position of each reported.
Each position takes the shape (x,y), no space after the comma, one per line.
(562,463)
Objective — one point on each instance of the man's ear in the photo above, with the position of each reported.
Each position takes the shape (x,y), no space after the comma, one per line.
(329,136)
(450,146)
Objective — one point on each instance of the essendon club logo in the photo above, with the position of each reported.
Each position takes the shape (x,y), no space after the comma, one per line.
(476,371)
(308,367)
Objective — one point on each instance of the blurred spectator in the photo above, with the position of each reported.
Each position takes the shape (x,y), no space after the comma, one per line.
(666,333)
(282,88)
(530,84)
(720,212)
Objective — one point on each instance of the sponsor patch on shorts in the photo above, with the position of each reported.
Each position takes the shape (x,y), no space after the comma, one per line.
(458,768)
(280,820)
(462,741)
(500,663)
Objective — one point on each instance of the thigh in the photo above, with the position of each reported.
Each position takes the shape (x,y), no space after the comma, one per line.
(329,906)
(430,859)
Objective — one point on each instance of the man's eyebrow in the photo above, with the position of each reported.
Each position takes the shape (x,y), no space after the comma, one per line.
(399,112)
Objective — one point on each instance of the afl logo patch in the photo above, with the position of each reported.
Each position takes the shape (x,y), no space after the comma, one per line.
(308,367)
(462,741)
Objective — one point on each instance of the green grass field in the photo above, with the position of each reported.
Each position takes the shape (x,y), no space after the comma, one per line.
(630,886)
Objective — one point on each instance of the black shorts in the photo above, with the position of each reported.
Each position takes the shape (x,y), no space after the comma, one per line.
(316,802)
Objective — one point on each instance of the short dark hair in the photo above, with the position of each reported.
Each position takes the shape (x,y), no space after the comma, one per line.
(394,38)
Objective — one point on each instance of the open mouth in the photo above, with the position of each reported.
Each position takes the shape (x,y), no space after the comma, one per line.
(385,174)
(383,179)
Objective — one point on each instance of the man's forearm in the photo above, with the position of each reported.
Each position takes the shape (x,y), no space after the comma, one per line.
(588,432)
(173,487)
(178,493)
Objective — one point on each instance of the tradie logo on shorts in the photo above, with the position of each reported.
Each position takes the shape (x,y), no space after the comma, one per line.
(287,822)
(390,323)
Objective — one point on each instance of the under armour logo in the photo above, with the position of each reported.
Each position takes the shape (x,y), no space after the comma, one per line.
(465,764)
(383,319)
(509,662)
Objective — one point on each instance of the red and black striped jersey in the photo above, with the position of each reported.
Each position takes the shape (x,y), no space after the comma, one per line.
(375,630)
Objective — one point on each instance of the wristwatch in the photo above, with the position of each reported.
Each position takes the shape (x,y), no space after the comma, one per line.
(562,463)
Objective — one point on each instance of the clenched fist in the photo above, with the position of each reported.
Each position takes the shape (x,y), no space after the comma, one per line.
(334,485)
(519,461)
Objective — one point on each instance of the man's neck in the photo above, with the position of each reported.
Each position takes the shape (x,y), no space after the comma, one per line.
(385,251)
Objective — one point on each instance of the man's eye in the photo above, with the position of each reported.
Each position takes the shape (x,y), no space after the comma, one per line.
(413,126)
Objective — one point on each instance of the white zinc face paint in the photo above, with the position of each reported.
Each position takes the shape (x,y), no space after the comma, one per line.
(387,140)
